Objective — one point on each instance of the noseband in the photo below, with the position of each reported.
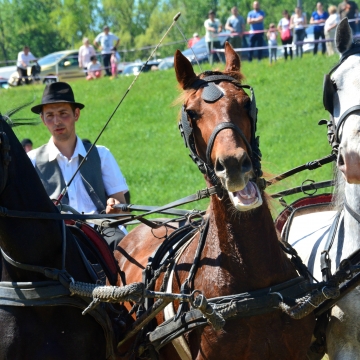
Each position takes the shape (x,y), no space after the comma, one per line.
(211,93)
(329,89)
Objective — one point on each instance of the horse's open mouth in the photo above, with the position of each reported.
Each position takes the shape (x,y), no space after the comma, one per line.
(247,198)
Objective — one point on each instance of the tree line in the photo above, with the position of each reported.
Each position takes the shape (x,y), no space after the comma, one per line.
(54,25)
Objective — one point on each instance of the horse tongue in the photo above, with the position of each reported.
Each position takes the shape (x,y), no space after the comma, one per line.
(247,195)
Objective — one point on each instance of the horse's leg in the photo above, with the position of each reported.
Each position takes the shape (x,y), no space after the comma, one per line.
(343,332)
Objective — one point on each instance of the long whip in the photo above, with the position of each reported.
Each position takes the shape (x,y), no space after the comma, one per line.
(64,191)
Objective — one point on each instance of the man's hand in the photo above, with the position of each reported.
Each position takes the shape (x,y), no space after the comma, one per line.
(109,206)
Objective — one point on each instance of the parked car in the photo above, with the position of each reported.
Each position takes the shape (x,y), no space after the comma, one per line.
(134,68)
(200,50)
(4,83)
(56,66)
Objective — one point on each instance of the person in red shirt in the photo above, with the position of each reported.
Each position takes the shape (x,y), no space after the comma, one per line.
(193,40)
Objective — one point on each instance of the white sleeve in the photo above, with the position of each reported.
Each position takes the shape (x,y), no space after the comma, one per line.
(97,39)
(113,178)
(32,155)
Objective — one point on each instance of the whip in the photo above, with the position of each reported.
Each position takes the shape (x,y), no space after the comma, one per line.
(64,191)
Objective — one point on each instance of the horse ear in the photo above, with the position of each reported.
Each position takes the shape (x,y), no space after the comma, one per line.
(232,59)
(184,71)
(343,36)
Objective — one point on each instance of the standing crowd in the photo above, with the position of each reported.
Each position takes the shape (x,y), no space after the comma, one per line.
(291,28)
(107,43)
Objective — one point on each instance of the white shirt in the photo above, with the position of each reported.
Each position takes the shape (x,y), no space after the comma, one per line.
(333,19)
(79,199)
(210,35)
(24,58)
(284,23)
(93,67)
(85,53)
(106,42)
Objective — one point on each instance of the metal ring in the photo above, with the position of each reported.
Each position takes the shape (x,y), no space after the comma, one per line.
(162,237)
(278,294)
(311,304)
(304,191)
(322,290)
(192,297)
(193,214)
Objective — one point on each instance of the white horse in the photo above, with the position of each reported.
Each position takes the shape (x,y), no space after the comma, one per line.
(309,233)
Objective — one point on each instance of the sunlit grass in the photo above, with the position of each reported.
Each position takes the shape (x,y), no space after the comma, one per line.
(144,138)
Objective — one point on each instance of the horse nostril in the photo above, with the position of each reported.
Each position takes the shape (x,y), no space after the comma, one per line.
(246,165)
(219,167)
(340,160)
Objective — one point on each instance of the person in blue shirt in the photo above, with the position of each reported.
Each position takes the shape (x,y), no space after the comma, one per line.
(318,18)
(255,19)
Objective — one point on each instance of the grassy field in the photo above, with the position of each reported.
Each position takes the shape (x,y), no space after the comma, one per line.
(144,138)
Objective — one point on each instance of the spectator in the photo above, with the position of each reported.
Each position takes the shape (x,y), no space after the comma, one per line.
(349,9)
(27,144)
(94,69)
(105,42)
(212,28)
(24,59)
(318,18)
(114,63)
(195,38)
(236,25)
(286,36)
(85,52)
(255,19)
(100,184)
(298,23)
(272,41)
(330,28)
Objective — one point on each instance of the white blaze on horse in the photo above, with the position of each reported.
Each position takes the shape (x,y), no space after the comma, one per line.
(338,229)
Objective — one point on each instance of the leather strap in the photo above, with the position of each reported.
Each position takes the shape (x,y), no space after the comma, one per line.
(343,118)
(325,261)
(218,128)
(311,165)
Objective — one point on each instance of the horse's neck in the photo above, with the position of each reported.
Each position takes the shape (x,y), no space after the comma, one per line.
(246,244)
(351,225)
(27,240)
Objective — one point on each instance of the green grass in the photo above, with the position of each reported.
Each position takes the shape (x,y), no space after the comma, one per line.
(144,138)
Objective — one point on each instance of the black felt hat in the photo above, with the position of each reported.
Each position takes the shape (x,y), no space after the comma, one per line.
(58,92)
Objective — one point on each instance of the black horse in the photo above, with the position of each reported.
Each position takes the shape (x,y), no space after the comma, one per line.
(43,323)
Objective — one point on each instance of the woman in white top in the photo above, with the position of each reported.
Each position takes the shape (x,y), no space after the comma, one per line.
(298,23)
(86,51)
(330,28)
(286,36)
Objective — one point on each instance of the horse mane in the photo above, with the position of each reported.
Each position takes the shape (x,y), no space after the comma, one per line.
(19,121)
(339,189)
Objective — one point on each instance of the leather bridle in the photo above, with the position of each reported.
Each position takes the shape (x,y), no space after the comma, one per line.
(211,93)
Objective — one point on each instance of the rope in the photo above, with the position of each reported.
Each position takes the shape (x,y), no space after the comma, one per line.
(214,318)
(329,290)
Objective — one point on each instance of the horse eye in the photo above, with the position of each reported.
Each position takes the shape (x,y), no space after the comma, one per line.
(334,85)
(192,114)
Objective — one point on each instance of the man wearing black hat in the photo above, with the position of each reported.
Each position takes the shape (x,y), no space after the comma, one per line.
(99,184)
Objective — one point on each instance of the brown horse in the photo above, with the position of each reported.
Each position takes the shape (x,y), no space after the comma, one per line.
(241,251)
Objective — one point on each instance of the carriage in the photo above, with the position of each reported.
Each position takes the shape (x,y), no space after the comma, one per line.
(219,285)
